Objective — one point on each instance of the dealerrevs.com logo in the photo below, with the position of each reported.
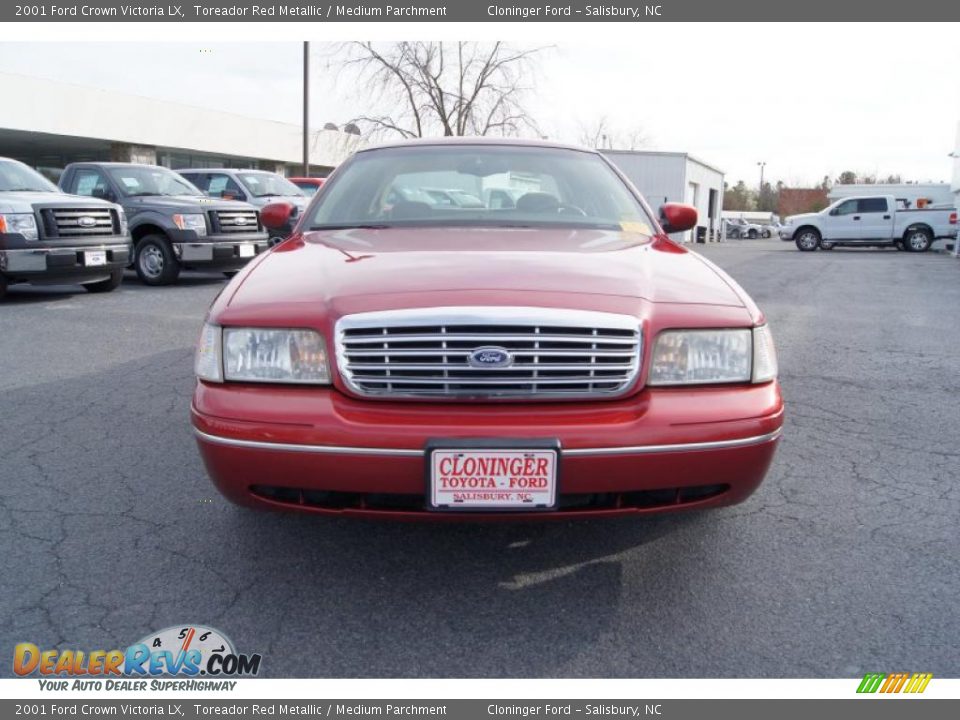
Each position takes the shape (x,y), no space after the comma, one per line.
(186,651)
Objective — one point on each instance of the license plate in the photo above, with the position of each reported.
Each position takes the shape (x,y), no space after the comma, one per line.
(247,251)
(95,258)
(488,478)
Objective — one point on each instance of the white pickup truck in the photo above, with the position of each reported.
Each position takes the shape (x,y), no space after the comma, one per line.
(870,220)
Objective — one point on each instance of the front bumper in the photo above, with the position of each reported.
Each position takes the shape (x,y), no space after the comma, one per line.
(50,262)
(318,450)
(235,252)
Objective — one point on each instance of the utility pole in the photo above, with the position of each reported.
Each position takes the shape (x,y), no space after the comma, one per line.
(306,109)
(760,193)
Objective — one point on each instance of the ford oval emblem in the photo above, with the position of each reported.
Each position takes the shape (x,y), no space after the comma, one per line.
(86,221)
(240,220)
(490,357)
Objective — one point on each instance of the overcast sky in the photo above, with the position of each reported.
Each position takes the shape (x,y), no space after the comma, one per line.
(808,100)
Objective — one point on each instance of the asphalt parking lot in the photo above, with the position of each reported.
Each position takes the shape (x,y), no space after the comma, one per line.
(847,559)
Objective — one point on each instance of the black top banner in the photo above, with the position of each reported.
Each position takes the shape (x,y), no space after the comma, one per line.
(854,11)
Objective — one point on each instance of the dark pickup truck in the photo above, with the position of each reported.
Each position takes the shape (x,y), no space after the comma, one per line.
(172,223)
(47,237)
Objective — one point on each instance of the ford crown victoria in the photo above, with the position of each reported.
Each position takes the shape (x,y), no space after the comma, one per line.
(557,357)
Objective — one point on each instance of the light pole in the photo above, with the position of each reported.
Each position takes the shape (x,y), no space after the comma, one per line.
(760,193)
(306,109)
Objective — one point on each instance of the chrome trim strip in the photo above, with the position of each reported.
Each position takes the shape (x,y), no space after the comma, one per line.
(293,447)
(677,447)
(408,452)
(119,245)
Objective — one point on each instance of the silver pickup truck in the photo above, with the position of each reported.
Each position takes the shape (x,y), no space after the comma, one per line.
(49,237)
(870,220)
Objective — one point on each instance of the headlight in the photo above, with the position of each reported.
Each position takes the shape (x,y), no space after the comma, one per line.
(192,221)
(21,223)
(280,356)
(701,357)
(123,221)
(261,355)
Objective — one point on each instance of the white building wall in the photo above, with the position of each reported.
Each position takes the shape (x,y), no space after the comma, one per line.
(658,176)
(119,117)
(937,192)
(706,179)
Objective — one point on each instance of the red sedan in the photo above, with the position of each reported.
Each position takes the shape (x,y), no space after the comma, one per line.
(551,353)
(309,185)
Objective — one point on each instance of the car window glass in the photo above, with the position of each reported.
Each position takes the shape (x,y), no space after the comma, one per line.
(89,182)
(17,177)
(218,182)
(873,205)
(146,180)
(848,207)
(480,185)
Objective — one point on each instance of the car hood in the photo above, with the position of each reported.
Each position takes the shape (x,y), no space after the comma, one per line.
(12,202)
(795,219)
(186,203)
(357,270)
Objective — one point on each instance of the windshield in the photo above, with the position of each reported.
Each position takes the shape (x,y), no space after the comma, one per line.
(17,177)
(476,185)
(261,184)
(142,180)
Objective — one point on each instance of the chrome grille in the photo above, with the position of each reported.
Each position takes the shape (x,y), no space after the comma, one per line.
(427,353)
(80,222)
(237,221)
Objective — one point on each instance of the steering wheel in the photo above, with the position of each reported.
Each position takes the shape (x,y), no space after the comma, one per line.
(565,209)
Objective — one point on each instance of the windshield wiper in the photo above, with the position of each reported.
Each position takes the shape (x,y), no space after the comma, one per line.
(352,226)
(270,195)
(26,189)
(144,194)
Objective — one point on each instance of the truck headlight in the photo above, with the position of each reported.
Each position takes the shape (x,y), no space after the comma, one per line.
(20,223)
(701,357)
(122,216)
(261,355)
(191,221)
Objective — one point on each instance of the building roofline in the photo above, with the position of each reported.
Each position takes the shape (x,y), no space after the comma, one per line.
(463,140)
(667,153)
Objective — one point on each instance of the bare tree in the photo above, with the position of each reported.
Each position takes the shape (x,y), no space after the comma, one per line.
(419,89)
(602,134)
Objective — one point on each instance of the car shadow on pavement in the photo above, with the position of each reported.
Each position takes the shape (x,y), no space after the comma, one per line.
(459,599)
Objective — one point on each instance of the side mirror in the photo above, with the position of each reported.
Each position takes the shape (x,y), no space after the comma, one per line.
(677,217)
(103,194)
(275,216)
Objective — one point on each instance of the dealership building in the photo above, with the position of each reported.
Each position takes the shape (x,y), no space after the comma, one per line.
(72,123)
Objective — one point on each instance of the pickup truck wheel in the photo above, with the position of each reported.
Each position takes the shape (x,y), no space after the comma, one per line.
(917,240)
(155,262)
(105,286)
(807,240)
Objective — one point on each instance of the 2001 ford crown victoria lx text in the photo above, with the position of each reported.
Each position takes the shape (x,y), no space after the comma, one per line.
(547,349)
